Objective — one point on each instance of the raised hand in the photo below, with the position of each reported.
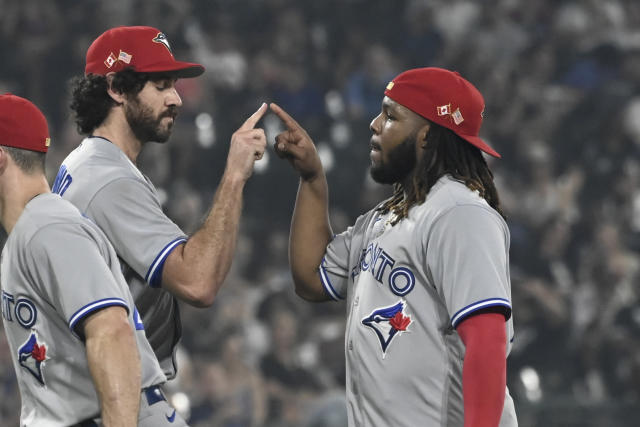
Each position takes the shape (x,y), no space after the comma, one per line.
(247,145)
(295,145)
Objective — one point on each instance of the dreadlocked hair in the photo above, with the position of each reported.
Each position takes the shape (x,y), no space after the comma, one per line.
(445,154)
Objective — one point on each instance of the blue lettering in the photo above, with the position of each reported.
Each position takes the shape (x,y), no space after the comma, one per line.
(7,300)
(26,313)
(375,254)
(385,262)
(401,281)
(355,271)
(62,181)
(24,310)
(364,264)
(356,268)
(374,258)
(137,320)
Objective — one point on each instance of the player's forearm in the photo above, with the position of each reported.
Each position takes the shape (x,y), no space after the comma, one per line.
(114,363)
(206,258)
(484,369)
(310,235)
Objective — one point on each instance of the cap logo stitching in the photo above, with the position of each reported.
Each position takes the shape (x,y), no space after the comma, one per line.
(390,85)
(47,142)
(111,59)
(161,38)
(457,116)
(124,57)
(444,110)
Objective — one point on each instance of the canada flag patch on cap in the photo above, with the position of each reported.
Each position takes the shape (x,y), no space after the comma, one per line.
(444,110)
(111,59)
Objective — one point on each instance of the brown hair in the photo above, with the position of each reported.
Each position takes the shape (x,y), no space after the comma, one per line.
(90,101)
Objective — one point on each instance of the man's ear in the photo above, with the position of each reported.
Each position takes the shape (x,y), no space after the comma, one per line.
(4,159)
(423,132)
(118,97)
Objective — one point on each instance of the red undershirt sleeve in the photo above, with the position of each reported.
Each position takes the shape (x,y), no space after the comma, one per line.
(484,374)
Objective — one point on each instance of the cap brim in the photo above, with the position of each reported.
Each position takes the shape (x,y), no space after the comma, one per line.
(179,69)
(474,140)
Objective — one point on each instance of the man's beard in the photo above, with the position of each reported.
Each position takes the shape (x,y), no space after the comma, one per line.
(401,162)
(144,125)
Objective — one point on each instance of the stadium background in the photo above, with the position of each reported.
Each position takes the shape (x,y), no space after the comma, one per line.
(561,81)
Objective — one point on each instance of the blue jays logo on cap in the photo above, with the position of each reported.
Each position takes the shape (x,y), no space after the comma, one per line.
(32,356)
(161,38)
(387,322)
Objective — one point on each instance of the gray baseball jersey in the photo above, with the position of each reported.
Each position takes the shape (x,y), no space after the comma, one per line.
(407,287)
(57,269)
(101,181)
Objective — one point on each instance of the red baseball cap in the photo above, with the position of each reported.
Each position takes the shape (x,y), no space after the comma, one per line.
(445,98)
(22,124)
(144,49)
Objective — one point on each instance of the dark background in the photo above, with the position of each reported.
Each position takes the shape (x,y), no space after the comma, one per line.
(561,81)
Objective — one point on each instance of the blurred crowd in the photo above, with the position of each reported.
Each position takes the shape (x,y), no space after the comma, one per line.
(561,81)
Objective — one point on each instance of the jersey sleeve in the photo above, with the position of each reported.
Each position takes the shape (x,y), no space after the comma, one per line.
(129,213)
(467,255)
(334,269)
(72,274)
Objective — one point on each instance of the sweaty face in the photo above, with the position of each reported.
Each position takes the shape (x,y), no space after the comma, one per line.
(394,142)
(152,112)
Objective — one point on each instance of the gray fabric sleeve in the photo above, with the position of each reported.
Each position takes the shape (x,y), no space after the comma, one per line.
(334,270)
(71,273)
(467,256)
(129,213)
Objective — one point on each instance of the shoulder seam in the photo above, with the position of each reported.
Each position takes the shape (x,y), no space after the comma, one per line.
(120,178)
(448,210)
(48,227)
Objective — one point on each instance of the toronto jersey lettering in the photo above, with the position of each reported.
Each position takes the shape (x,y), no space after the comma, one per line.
(101,181)
(57,269)
(407,287)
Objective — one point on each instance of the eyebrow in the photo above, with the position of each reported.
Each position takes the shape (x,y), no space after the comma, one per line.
(390,106)
(386,104)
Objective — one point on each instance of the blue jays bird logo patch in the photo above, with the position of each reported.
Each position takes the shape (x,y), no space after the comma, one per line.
(387,323)
(32,355)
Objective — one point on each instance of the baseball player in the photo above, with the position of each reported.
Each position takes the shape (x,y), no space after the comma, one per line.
(425,274)
(127,98)
(78,346)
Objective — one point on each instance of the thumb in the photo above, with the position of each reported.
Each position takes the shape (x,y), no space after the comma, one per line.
(287,149)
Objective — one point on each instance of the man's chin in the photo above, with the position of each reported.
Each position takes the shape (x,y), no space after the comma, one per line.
(161,139)
(164,135)
(381,176)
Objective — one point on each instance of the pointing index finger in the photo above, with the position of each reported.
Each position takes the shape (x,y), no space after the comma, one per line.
(285,117)
(251,122)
